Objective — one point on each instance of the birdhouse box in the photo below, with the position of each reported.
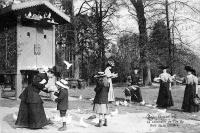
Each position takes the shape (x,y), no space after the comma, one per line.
(27,39)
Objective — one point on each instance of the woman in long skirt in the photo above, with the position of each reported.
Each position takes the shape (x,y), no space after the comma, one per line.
(110,75)
(164,99)
(191,91)
(31,111)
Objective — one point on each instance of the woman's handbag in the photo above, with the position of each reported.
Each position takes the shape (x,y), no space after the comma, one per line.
(196,100)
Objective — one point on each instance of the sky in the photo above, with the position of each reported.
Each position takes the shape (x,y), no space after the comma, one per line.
(189,30)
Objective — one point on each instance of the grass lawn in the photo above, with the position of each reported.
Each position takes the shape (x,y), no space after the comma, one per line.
(149,95)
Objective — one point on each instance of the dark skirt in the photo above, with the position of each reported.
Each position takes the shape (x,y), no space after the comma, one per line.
(136,95)
(31,115)
(164,96)
(189,94)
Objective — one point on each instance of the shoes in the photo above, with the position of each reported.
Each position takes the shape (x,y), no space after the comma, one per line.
(50,122)
(105,123)
(100,124)
(63,128)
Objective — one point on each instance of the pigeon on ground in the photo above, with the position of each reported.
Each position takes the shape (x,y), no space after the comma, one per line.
(121,103)
(114,113)
(80,97)
(91,99)
(82,123)
(142,103)
(117,103)
(148,105)
(78,109)
(91,117)
(14,116)
(162,110)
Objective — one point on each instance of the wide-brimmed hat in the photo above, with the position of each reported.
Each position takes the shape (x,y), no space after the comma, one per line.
(43,69)
(111,63)
(100,74)
(62,83)
(189,68)
(194,72)
(163,67)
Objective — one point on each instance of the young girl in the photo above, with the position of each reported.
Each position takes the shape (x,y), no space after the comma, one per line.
(62,101)
(101,98)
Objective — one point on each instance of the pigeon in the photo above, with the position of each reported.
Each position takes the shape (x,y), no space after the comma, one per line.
(40,17)
(114,113)
(43,81)
(125,103)
(29,14)
(82,123)
(49,16)
(142,103)
(91,117)
(16,1)
(67,64)
(78,109)
(80,97)
(162,110)
(154,106)
(14,116)
(148,105)
(117,103)
(64,81)
(121,103)
(91,99)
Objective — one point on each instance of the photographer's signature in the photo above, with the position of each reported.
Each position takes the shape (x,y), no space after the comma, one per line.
(163,120)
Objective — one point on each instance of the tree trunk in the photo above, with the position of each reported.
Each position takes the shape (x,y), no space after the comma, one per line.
(143,41)
(77,56)
(100,35)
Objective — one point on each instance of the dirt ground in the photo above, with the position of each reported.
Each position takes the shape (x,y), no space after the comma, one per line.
(133,118)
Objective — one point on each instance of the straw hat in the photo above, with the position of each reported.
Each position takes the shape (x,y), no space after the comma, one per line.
(62,83)
(111,63)
(100,74)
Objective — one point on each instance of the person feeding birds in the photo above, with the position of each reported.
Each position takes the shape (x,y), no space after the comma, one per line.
(62,101)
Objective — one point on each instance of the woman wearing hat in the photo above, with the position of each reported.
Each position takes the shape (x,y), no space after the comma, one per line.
(31,111)
(191,91)
(101,98)
(110,75)
(164,99)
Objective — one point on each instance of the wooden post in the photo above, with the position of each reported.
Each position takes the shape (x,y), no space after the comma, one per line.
(18,78)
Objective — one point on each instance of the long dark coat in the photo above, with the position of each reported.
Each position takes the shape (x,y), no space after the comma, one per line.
(102,89)
(62,100)
(31,111)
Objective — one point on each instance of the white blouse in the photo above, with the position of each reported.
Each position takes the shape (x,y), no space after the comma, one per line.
(166,77)
(190,79)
